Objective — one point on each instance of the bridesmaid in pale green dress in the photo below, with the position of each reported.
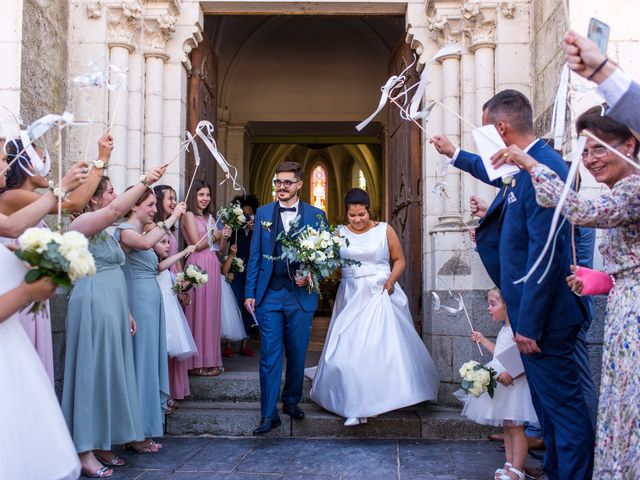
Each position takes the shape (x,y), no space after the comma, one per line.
(100,400)
(145,304)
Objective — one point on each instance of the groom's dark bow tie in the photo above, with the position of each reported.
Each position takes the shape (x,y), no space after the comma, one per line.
(288,209)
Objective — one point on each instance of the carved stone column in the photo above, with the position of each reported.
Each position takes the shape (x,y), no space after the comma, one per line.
(481,33)
(123,29)
(157,31)
(448,27)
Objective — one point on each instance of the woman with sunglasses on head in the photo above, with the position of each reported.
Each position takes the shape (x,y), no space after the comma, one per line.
(20,190)
(617,454)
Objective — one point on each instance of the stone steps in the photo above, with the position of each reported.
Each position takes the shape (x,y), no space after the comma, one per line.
(231,419)
(229,405)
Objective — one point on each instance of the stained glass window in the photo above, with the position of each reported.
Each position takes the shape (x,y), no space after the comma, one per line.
(273,189)
(319,188)
(362,182)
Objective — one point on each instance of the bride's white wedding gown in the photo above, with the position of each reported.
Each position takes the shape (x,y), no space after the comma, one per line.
(373,360)
(34,440)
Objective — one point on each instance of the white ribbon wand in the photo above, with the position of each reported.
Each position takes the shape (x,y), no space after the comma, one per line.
(196,154)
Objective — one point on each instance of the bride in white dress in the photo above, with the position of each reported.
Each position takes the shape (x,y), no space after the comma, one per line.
(34,439)
(373,360)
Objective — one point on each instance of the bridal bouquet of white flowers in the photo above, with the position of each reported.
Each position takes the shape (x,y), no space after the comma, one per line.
(233,216)
(316,250)
(63,257)
(192,276)
(477,378)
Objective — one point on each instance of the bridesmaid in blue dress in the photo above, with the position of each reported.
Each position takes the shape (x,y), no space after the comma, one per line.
(100,400)
(145,304)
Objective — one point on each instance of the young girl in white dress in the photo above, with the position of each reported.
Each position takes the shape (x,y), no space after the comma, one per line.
(231,318)
(180,342)
(511,405)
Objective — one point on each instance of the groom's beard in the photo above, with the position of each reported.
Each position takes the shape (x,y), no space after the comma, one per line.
(290,195)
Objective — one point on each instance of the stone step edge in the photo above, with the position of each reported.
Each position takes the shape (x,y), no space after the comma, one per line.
(432,422)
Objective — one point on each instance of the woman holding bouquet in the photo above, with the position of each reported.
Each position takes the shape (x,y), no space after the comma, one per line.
(30,409)
(99,398)
(145,304)
(618,211)
(22,181)
(203,313)
(373,360)
(178,371)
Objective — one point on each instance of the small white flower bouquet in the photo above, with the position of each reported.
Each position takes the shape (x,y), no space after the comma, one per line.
(316,250)
(237,265)
(63,257)
(233,216)
(477,378)
(192,276)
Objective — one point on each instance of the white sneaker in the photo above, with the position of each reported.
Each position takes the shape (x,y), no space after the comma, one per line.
(363,420)
(350,422)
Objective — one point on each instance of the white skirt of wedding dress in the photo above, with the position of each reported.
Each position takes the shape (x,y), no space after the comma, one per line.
(34,439)
(373,360)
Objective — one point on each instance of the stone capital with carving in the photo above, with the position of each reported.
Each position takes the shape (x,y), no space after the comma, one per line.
(480,23)
(447,26)
(124,20)
(157,31)
(94,9)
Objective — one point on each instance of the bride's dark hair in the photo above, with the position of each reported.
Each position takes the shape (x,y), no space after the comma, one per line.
(357,196)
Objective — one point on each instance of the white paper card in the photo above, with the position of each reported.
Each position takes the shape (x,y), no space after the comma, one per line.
(510,359)
(488,142)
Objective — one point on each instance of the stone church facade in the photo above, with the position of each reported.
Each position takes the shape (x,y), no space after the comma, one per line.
(288,79)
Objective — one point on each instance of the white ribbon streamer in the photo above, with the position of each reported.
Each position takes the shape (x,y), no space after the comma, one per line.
(558,118)
(556,214)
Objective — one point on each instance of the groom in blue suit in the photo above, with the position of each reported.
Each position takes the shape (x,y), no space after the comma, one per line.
(545,316)
(281,302)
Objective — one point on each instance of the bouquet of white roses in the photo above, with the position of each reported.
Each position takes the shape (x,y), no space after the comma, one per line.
(237,266)
(477,378)
(192,276)
(317,250)
(233,216)
(63,257)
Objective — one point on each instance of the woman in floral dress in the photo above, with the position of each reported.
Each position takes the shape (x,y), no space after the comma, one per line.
(617,452)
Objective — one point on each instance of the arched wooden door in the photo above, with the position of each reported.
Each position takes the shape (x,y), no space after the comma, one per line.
(404,187)
(203,105)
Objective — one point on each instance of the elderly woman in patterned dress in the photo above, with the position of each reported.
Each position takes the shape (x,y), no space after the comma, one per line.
(618,212)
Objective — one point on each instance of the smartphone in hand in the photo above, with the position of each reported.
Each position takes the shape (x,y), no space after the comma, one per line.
(599,34)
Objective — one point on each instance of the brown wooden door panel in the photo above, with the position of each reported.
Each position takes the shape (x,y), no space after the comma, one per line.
(404,184)
(203,105)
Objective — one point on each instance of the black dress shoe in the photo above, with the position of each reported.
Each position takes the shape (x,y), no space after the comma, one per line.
(266,424)
(293,411)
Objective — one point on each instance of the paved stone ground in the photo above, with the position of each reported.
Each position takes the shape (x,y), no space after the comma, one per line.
(199,458)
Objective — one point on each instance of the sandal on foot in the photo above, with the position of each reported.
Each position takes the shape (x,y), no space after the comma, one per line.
(103,472)
(503,470)
(519,474)
(175,404)
(154,444)
(140,447)
(115,461)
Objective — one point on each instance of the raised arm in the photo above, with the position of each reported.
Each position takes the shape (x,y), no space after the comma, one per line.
(90,223)
(169,261)
(15,224)
(133,240)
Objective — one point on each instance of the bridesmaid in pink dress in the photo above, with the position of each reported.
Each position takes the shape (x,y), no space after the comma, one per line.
(203,313)
(22,182)
(178,371)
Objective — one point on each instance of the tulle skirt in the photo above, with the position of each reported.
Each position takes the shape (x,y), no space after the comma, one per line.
(231,320)
(509,403)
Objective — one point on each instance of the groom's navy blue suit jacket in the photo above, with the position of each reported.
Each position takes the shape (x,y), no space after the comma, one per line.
(510,238)
(263,243)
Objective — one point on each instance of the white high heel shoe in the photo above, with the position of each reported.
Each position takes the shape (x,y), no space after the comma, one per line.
(352,421)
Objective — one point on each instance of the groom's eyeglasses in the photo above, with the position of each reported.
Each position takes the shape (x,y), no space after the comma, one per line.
(284,183)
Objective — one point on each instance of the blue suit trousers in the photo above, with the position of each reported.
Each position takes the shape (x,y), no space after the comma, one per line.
(282,323)
(558,397)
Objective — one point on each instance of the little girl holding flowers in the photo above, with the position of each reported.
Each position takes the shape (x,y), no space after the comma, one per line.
(511,405)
